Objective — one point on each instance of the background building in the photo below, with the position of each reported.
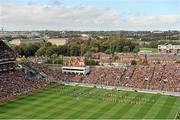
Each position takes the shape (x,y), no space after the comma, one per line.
(76,66)
(169,49)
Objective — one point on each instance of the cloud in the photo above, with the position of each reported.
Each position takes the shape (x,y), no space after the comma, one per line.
(155,20)
(59,17)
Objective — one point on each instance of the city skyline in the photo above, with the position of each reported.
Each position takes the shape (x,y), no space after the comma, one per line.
(90,15)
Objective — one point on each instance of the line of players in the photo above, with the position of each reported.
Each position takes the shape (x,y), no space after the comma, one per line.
(109,96)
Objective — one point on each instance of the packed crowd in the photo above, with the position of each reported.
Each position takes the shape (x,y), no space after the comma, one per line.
(5,52)
(164,77)
(76,62)
(163,58)
(40,68)
(6,55)
(7,67)
(14,83)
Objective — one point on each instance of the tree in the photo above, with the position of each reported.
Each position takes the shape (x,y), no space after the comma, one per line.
(136,49)
(83,49)
(88,55)
(126,49)
(94,49)
(133,62)
(153,44)
(104,46)
(17,50)
(22,59)
(91,62)
(74,49)
(51,50)
(32,48)
(77,47)
(41,51)
(23,48)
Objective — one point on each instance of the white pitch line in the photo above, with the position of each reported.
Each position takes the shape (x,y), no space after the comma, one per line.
(177,113)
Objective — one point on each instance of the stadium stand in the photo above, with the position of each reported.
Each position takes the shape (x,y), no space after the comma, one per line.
(14,82)
(154,77)
(163,77)
(7,58)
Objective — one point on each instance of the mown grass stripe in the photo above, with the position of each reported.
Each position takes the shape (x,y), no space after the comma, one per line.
(175,109)
(76,108)
(25,98)
(14,113)
(166,108)
(103,109)
(126,107)
(51,103)
(126,112)
(118,104)
(106,114)
(47,108)
(26,107)
(116,111)
(83,107)
(90,110)
(156,107)
(146,107)
(67,105)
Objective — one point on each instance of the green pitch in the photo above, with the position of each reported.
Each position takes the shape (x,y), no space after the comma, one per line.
(80,102)
(154,50)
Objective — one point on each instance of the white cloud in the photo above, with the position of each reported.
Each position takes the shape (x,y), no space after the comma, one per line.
(59,17)
(53,16)
(155,20)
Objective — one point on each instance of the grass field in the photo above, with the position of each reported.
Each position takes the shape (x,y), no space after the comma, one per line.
(80,102)
(154,50)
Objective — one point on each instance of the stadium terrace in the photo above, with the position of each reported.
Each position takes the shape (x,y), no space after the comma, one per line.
(162,77)
(14,81)
(69,92)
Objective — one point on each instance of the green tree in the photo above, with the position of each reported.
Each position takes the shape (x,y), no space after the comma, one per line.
(83,49)
(41,51)
(91,62)
(136,49)
(88,55)
(126,49)
(51,50)
(133,62)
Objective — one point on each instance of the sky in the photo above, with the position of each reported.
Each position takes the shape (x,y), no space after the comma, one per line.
(90,15)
